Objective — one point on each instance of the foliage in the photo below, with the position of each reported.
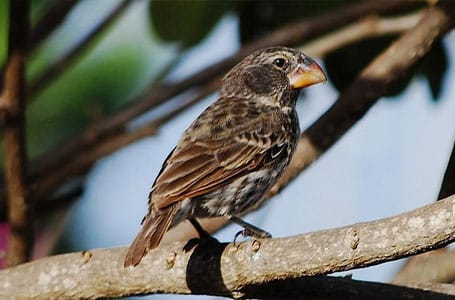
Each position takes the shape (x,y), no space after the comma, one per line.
(185,22)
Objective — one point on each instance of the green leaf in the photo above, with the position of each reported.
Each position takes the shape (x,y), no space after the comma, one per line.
(187,22)
(83,94)
(258,18)
(4,18)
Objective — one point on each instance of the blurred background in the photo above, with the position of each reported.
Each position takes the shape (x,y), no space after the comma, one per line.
(393,160)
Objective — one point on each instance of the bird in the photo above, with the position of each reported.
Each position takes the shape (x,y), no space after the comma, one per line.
(234,151)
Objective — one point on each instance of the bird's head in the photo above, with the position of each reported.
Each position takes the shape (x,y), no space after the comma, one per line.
(272,72)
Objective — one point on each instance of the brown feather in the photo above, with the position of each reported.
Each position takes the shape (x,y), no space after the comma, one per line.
(220,167)
(155,225)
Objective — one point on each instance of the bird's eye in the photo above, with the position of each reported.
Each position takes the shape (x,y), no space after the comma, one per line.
(279,62)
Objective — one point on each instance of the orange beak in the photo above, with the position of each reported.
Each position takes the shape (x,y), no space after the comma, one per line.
(306,74)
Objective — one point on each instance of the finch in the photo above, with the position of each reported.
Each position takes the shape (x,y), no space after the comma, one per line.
(235,151)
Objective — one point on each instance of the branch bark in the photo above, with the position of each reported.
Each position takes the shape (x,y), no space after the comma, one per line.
(432,267)
(328,287)
(369,27)
(12,102)
(239,270)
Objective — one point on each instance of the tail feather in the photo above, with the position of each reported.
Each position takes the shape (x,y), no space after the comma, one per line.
(155,225)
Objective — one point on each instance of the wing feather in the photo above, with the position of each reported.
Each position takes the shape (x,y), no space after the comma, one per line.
(199,166)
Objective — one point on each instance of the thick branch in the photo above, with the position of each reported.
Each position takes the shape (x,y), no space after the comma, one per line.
(369,27)
(12,107)
(232,269)
(328,287)
(54,70)
(374,81)
(448,182)
(436,266)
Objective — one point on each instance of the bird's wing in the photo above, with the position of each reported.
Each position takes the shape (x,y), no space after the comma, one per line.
(202,166)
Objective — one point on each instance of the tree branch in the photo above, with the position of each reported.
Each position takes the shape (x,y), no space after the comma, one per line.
(328,287)
(370,26)
(214,268)
(448,182)
(55,69)
(80,164)
(432,267)
(12,102)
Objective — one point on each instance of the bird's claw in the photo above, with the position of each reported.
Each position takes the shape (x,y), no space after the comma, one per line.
(248,232)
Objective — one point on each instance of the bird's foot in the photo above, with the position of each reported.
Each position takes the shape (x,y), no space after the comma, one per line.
(249,230)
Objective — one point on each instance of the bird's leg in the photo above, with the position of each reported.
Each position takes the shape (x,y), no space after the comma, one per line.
(202,233)
(204,237)
(249,229)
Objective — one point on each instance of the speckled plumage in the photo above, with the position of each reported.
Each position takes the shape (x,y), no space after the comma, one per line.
(235,151)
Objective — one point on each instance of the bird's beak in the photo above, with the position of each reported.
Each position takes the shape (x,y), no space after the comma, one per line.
(306,74)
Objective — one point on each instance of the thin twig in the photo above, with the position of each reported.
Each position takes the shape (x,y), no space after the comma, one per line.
(79,165)
(236,270)
(49,22)
(62,64)
(371,26)
(12,102)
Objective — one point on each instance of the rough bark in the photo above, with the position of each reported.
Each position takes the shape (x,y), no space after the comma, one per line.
(210,267)
(432,267)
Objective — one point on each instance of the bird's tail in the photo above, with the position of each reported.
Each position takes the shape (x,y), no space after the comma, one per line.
(155,225)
